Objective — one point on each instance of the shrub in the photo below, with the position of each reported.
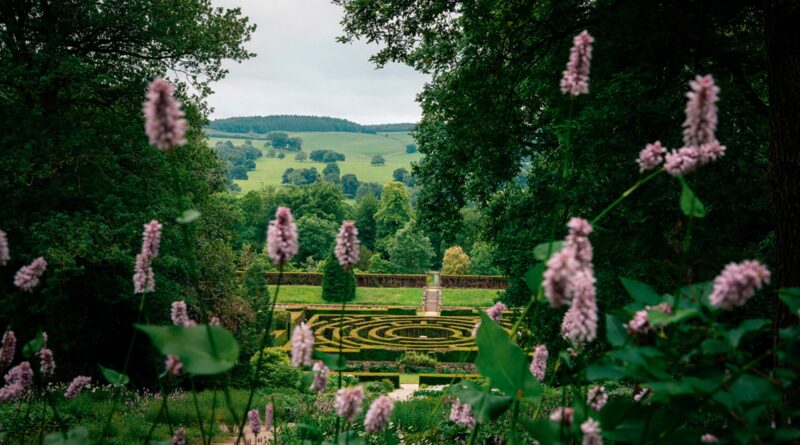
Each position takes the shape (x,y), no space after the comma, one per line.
(410,250)
(281,155)
(301,156)
(456,261)
(417,358)
(411,148)
(482,260)
(338,285)
(377,264)
(275,371)
(377,160)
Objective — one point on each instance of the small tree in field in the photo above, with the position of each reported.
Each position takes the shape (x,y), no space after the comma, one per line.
(301,156)
(338,285)
(456,261)
(377,160)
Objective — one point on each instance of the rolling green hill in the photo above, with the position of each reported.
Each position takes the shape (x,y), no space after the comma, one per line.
(357,147)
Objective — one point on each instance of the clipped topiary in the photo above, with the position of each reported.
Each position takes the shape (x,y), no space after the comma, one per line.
(276,370)
(456,261)
(338,285)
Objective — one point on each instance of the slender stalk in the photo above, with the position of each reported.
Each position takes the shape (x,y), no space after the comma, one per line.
(525,311)
(197,410)
(212,421)
(339,363)
(549,383)
(41,422)
(474,435)
(514,419)
(254,374)
(155,422)
(625,194)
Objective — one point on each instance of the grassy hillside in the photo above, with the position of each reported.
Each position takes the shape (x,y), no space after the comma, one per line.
(357,147)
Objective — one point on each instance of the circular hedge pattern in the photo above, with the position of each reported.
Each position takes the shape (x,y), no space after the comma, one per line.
(393,332)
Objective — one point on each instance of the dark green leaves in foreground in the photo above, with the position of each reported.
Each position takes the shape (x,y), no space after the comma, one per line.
(533,278)
(204,350)
(504,363)
(333,361)
(76,436)
(486,406)
(690,203)
(544,251)
(115,378)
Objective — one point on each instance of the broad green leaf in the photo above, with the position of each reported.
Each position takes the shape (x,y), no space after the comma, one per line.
(747,326)
(32,347)
(533,278)
(791,296)
(349,438)
(201,353)
(690,203)
(615,331)
(640,292)
(545,431)
(113,377)
(659,318)
(76,436)
(504,363)
(605,372)
(544,251)
(486,407)
(188,216)
(751,389)
(713,346)
(333,361)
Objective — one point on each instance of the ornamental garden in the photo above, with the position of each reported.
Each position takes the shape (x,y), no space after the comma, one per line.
(594,241)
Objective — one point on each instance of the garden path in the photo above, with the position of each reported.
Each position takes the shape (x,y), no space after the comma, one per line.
(404,392)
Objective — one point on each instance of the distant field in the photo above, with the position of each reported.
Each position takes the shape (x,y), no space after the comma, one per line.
(390,296)
(358,149)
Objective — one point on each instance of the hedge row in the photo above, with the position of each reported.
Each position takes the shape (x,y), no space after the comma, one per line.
(445,379)
(363,280)
(376,376)
(473,281)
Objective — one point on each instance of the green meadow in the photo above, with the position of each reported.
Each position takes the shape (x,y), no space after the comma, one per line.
(358,148)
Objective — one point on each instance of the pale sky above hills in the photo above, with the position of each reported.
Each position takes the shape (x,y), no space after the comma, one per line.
(301,69)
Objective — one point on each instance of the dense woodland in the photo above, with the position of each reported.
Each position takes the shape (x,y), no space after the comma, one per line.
(266,124)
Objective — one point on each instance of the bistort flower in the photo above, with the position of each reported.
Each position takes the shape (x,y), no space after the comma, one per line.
(378,414)
(302,345)
(575,79)
(282,237)
(164,122)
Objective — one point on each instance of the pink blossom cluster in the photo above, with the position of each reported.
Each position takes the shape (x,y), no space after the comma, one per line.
(5,256)
(709,438)
(76,386)
(164,122)
(461,413)
(269,416)
(27,277)
(737,283)
(173,365)
(575,79)
(18,381)
(592,434)
(651,156)
(640,323)
(302,345)
(347,245)
(378,414)
(348,402)
(320,381)
(255,421)
(597,397)
(563,415)
(642,394)
(180,437)
(495,313)
(179,313)
(47,364)
(215,321)
(7,348)
(143,276)
(569,279)
(539,362)
(282,237)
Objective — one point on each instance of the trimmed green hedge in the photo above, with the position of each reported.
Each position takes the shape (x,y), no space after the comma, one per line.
(445,379)
(376,376)
(362,279)
(473,281)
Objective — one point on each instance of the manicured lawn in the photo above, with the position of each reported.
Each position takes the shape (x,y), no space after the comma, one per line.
(358,149)
(389,296)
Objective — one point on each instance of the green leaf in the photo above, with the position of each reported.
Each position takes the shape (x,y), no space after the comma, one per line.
(605,372)
(113,377)
(545,431)
(640,292)
(349,438)
(333,361)
(747,326)
(658,318)
(486,407)
(504,363)
(544,251)
(32,347)
(76,436)
(188,216)
(533,277)
(791,296)
(690,203)
(615,331)
(194,346)
(713,346)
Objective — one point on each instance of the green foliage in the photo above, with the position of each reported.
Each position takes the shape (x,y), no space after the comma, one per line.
(394,210)
(483,260)
(203,350)
(338,285)
(377,160)
(255,284)
(411,148)
(350,185)
(317,236)
(418,359)
(365,220)
(410,250)
(331,167)
(327,156)
(369,188)
(377,264)
(293,123)
(456,261)
(301,156)
(276,370)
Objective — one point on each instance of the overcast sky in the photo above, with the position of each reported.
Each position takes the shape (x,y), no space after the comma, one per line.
(301,69)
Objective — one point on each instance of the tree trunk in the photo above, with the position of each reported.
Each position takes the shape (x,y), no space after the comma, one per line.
(783,68)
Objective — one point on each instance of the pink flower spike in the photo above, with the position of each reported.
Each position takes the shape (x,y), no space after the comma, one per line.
(556,281)
(164,122)
(580,322)
(282,237)
(701,112)
(539,362)
(47,364)
(710,152)
(737,283)
(496,312)
(348,402)
(7,349)
(347,245)
(592,434)
(4,254)
(682,161)
(179,314)
(563,415)
(255,421)
(651,156)
(173,365)
(269,416)
(461,413)
(180,437)
(76,386)
(214,321)
(378,414)
(302,345)
(320,381)
(27,277)
(708,438)
(578,240)
(597,397)
(575,79)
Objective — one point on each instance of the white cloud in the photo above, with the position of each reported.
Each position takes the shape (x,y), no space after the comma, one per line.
(301,69)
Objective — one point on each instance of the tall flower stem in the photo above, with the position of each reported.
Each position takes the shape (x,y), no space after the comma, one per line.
(264,338)
(197,411)
(474,435)
(513,428)
(212,421)
(339,362)
(626,193)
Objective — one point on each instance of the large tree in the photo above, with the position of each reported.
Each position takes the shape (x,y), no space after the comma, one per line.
(77,175)
(394,210)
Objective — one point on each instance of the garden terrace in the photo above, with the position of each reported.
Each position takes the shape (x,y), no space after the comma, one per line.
(473,281)
(363,280)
